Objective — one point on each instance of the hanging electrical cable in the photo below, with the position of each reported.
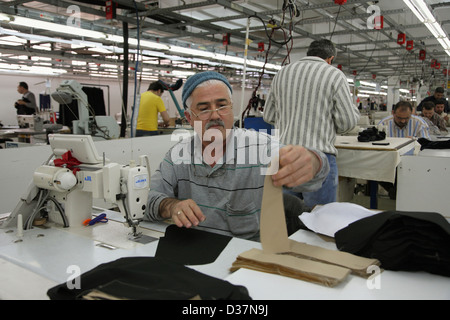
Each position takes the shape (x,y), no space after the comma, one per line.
(254,100)
(138,36)
(335,22)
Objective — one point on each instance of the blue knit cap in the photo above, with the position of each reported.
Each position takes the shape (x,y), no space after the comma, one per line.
(193,81)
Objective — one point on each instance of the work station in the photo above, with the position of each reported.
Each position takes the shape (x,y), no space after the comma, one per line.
(244,151)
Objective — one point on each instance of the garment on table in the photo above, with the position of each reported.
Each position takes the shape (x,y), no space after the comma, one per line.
(400,240)
(371,134)
(190,246)
(427,144)
(147,278)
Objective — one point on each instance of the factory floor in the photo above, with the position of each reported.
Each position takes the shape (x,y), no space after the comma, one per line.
(356,191)
(384,203)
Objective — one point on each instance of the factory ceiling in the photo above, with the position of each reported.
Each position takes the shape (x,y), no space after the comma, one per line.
(376,40)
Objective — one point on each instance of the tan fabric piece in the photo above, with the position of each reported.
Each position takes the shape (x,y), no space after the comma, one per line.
(273,230)
(280,255)
(290,266)
(357,265)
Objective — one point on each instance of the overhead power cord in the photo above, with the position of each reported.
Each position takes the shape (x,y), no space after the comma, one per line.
(287,40)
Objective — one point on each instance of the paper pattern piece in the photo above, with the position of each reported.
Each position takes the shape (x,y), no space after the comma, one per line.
(286,257)
(273,230)
(290,266)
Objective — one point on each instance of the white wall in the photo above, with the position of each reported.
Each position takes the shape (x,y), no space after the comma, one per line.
(36,84)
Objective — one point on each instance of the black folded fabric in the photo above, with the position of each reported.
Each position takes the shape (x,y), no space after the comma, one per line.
(427,144)
(149,278)
(371,134)
(400,240)
(190,246)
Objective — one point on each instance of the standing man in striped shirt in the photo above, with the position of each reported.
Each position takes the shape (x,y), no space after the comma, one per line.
(309,102)
(403,124)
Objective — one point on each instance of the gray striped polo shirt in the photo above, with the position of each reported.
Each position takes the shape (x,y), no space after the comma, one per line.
(230,193)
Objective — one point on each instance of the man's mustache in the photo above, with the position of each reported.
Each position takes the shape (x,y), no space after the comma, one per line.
(214,123)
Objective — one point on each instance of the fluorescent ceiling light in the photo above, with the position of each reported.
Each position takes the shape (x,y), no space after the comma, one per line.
(145,44)
(13,68)
(4,17)
(373,92)
(150,44)
(55,27)
(182,73)
(194,52)
(423,13)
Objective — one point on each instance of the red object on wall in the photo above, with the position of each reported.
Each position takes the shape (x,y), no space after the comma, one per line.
(339,66)
(433,63)
(374,76)
(110,9)
(354,72)
(226,39)
(422,54)
(438,65)
(409,45)
(340,2)
(444,72)
(260,46)
(401,38)
(378,22)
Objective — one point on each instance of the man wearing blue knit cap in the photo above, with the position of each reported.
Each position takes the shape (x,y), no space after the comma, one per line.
(212,180)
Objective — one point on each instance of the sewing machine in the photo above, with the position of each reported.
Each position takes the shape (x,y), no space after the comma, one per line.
(97,126)
(63,188)
(33,122)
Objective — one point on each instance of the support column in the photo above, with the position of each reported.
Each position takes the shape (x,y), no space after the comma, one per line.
(393,94)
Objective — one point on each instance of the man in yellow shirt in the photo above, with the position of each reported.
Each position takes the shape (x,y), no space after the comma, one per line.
(150,105)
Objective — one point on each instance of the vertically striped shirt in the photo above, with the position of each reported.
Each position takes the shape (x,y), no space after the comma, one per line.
(416,127)
(230,193)
(309,102)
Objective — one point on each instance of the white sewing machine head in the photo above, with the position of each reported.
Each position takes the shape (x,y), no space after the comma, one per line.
(66,186)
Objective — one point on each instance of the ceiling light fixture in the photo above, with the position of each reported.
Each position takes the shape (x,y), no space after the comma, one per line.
(145,44)
(424,14)
(55,27)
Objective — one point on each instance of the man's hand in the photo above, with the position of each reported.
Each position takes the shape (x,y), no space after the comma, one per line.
(297,166)
(184,213)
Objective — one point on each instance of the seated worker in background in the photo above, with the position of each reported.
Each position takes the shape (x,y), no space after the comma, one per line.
(26,105)
(209,180)
(403,124)
(439,110)
(433,120)
(149,106)
(438,95)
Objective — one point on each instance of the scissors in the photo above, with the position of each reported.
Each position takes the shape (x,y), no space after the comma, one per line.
(100,218)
